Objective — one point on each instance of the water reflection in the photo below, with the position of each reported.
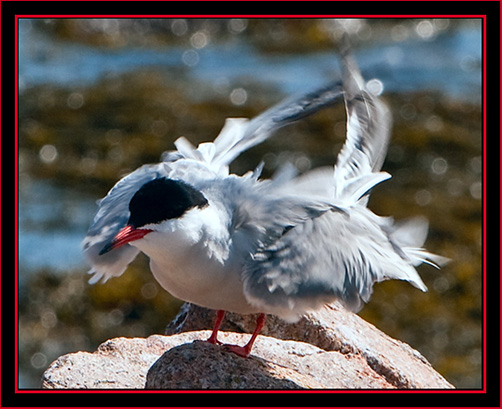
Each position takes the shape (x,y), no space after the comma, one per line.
(98,98)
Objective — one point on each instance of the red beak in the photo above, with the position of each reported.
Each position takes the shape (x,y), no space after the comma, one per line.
(124,236)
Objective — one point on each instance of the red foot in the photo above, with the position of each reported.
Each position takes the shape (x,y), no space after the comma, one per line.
(246,349)
(238,350)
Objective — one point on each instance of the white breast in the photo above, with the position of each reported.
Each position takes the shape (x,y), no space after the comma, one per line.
(194,268)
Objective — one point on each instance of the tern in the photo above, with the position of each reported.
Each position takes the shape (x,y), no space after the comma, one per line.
(282,246)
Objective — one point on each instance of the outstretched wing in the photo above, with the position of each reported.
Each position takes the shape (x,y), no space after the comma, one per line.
(369,123)
(229,146)
(239,134)
(341,253)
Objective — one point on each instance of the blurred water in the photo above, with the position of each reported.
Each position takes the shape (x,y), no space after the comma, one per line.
(52,222)
(449,63)
(406,57)
(44,60)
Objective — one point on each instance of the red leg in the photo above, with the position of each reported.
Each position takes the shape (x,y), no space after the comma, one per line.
(246,350)
(213,339)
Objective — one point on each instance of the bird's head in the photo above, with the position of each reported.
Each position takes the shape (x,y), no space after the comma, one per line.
(155,203)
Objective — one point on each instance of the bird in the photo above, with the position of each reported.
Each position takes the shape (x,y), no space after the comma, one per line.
(285,245)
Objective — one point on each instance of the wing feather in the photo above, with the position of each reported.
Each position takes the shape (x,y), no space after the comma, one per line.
(369,123)
(341,253)
(240,134)
(112,216)
(333,256)
(229,146)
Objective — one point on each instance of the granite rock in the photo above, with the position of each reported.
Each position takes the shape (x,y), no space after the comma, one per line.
(329,348)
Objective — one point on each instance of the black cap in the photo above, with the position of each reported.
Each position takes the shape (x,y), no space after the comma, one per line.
(163,199)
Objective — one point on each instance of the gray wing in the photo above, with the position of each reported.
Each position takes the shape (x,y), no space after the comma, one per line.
(112,215)
(369,124)
(343,252)
(239,134)
(230,145)
(334,256)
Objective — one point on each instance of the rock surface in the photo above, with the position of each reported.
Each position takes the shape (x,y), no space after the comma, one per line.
(331,348)
(332,328)
(275,364)
(120,363)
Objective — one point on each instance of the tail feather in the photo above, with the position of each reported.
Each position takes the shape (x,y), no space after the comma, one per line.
(409,235)
(418,256)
